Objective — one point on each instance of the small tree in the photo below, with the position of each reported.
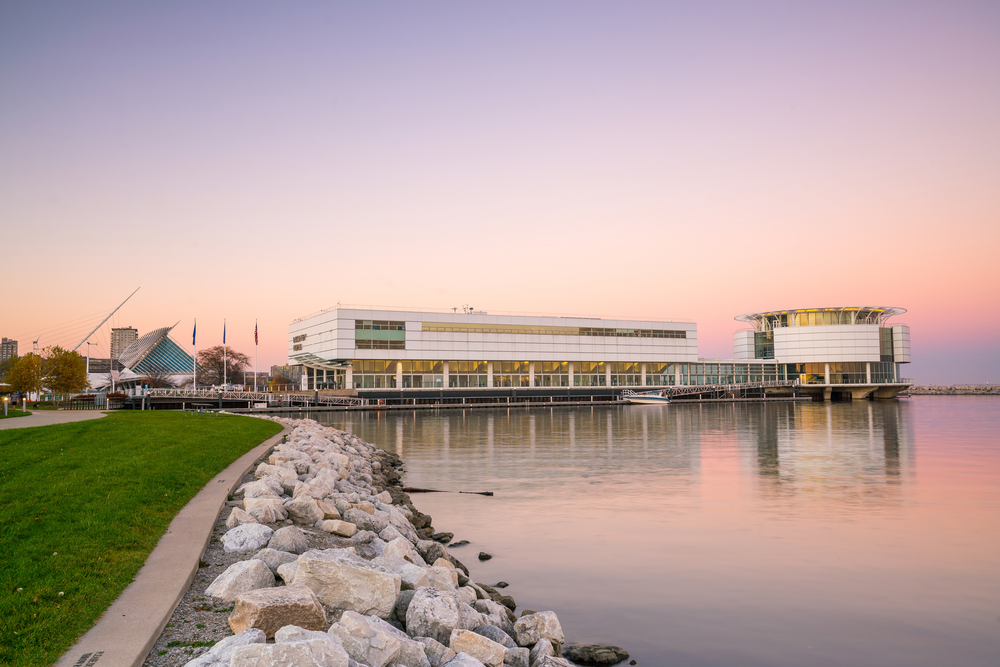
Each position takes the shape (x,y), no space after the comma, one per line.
(65,370)
(25,375)
(279,382)
(211,364)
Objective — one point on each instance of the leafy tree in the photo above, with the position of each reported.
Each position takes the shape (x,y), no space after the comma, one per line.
(25,375)
(211,365)
(65,370)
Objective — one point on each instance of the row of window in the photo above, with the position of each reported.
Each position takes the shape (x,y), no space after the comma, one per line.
(531,329)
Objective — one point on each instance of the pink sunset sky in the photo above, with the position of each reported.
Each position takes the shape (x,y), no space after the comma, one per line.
(652,160)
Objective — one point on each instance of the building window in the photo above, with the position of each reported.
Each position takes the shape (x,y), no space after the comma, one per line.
(423,374)
(763,345)
(885,345)
(379,335)
(551,373)
(467,373)
(589,374)
(659,375)
(538,330)
(625,374)
(374,374)
(511,374)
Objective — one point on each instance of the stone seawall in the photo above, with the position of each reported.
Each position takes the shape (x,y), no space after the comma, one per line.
(955,390)
(322,560)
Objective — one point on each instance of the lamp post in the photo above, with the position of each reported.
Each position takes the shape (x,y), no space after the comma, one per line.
(88,355)
(6,401)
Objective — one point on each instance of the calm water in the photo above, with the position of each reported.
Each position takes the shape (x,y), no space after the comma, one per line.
(729,534)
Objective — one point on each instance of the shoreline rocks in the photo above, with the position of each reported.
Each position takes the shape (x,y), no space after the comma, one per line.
(332,566)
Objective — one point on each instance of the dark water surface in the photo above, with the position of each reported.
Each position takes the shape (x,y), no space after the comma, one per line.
(729,534)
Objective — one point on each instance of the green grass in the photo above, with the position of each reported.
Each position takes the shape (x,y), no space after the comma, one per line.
(11,413)
(83,504)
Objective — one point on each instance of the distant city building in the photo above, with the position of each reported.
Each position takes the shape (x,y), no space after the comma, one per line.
(8,349)
(293,373)
(121,338)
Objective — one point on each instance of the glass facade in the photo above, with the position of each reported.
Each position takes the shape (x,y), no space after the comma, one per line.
(374,374)
(659,375)
(423,374)
(727,373)
(763,345)
(625,374)
(318,378)
(511,374)
(468,373)
(379,335)
(841,373)
(551,373)
(529,329)
(589,374)
(885,345)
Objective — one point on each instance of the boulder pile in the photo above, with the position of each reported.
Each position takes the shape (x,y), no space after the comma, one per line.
(383,595)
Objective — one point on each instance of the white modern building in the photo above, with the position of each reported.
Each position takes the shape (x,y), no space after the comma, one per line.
(851,351)
(467,352)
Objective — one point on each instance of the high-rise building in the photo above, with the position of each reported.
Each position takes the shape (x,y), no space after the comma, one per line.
(8,349)
(121,338)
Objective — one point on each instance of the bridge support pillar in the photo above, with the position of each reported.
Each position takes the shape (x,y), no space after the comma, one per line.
(827,393)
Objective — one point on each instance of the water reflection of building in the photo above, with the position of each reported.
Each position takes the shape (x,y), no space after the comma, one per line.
(855,451)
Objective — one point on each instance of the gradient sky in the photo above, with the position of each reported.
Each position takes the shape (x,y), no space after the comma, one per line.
(652,160)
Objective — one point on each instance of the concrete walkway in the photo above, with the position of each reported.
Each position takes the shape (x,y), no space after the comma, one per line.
(49,417)
(126,632)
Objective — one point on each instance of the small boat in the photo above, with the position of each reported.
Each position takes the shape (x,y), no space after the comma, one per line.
(645,398)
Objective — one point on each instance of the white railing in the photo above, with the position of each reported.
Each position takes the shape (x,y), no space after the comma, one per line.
(212,394)
(681,390)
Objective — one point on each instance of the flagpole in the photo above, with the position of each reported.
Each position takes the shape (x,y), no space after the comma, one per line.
(255,356)
(223,354)
(194,359)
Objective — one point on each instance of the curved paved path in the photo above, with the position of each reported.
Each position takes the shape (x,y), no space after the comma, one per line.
(127,631)
(49,417)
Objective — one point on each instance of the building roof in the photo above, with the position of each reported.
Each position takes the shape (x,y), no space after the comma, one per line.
(844,315)
(155,352)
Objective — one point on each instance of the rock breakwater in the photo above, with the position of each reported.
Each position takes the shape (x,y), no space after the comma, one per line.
(955,390)
(322,560)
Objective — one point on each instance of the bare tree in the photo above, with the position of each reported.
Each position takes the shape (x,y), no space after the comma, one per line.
(212,361)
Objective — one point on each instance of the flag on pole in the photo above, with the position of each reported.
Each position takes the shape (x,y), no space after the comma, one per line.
(255,333)
(223,332)
(194,333)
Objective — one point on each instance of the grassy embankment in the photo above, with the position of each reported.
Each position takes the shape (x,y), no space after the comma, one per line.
(83,504)
(11,413)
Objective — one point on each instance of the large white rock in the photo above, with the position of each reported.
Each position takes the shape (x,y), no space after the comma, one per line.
(467,594)
(364,641)
(433,614)
(287,571)
(337,527)
(224,648)
(496,613)
(304,509)
(436,652)
(336,655)
(482,649)
(441,578)
(545,624)
(240,577)
(471,619)
(274,558)
(411,652)
(239,517)
(540,650)
(398,520)
(463,660)
(287,477)
(266,510)
(290,539)
(312,653)
(344,580)
(411,576)
(400,547)
(262,488)
(248,537)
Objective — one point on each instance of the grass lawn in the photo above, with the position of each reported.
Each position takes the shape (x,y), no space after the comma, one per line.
(83,504)
(11,413)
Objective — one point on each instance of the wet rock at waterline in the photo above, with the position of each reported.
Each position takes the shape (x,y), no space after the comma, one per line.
(595,654)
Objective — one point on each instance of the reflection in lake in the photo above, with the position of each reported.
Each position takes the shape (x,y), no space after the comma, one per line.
(723,533)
